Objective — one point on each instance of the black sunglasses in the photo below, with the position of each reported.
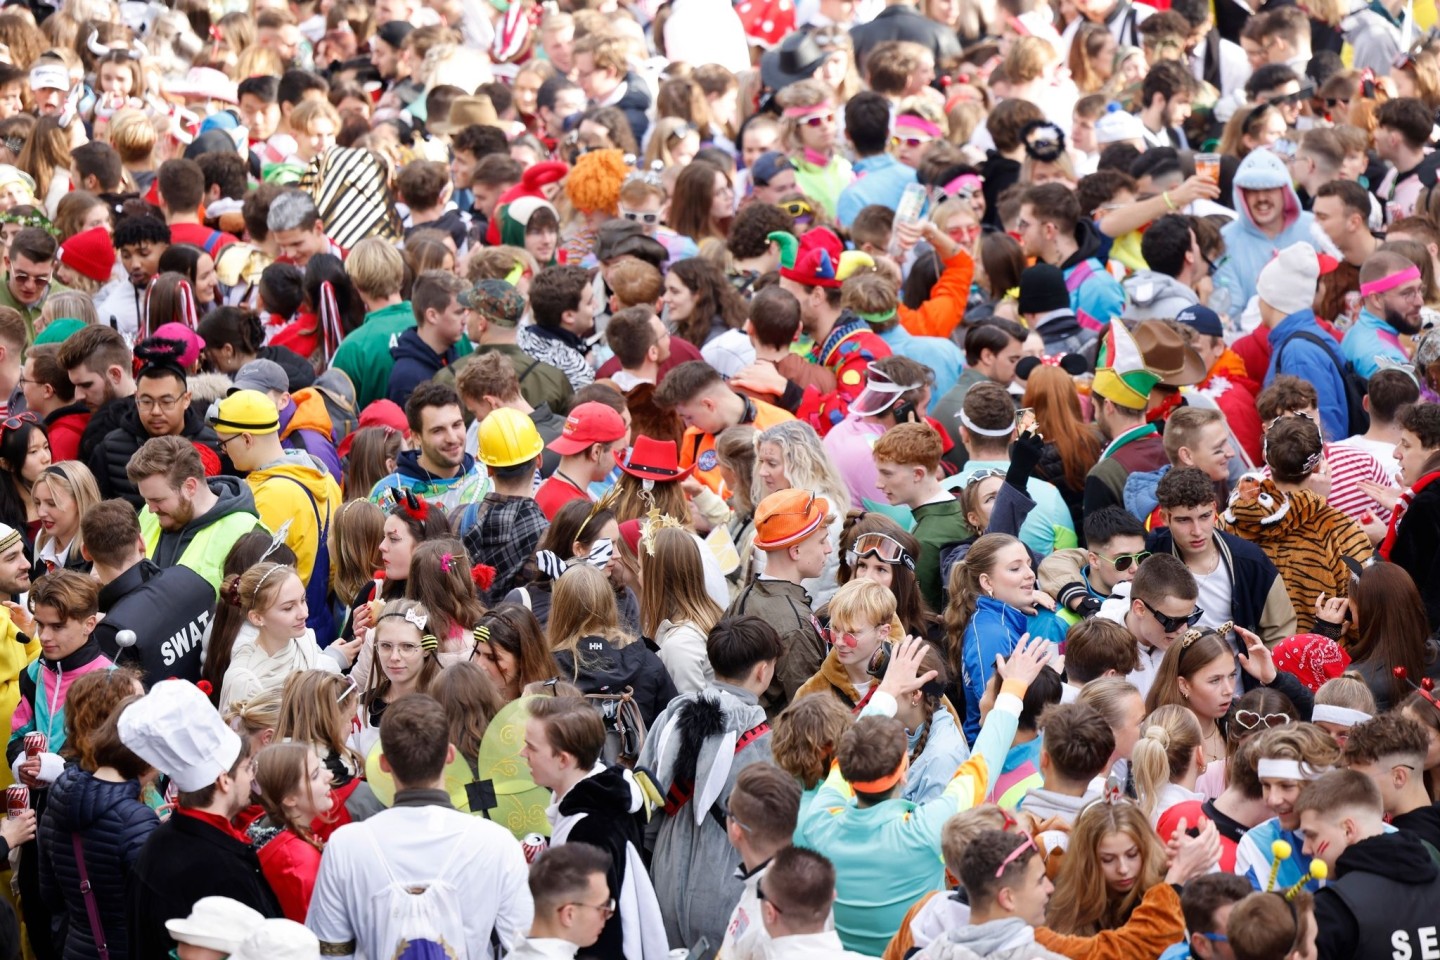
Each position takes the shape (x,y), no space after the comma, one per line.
(1171,624)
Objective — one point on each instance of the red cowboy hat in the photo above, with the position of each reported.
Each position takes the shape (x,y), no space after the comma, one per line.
(657,460)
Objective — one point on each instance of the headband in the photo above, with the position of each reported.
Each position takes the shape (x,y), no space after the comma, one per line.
(966,181)
(985,431)
(1268,769)
(266,576)
(1389,283)
(883,316)
(1027,844)
(814,109)
(919,123)
(886,782)
(1344,716)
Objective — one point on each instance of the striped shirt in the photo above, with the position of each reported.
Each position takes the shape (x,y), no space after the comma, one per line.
(1348,466)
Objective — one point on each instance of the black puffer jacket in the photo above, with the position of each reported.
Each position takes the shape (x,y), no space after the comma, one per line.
(609,669)
(108,458)
(113,824)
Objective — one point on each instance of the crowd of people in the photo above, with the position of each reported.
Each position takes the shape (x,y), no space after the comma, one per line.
(753,480)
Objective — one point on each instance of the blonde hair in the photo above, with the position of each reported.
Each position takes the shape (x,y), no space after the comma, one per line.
(1164,753)
(255,589)
(401,610)
(78,482)
(311,109)
(864,603)
(252,717)
(674,583)
(1028,58)
(133,136)
(807,465)
(666,130)
(68,303)
(355,537)
(802,93)
(1347,691)
(1304,743)
(583,605)
(1109,695)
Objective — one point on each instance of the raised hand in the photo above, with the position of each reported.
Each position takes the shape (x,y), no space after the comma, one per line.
(1030,657)
(1256,659)
(903,676)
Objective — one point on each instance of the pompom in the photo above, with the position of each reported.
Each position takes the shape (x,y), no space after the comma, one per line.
(205,687)
(1318,870)
(483,575)
(1281,850)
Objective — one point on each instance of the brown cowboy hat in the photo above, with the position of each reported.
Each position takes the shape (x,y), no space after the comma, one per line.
(1166,353)
(465,112)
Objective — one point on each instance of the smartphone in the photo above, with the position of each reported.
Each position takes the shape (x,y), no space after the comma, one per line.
(905,412)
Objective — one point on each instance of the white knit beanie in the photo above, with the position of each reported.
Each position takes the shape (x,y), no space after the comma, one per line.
(1288,282)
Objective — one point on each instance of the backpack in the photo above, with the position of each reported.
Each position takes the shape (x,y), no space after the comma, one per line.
(317,590)
(338,392)
(1354,384)
(420,920)
(624,726)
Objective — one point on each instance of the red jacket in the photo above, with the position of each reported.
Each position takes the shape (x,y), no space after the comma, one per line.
(848,351)
(290,866)
(65,427)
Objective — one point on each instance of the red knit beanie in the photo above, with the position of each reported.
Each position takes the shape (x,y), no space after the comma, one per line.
(90,254)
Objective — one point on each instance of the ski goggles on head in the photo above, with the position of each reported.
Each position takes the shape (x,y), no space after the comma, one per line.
(882,547)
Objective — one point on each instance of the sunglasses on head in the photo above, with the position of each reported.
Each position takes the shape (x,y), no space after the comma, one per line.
(797,208)
(19,420)
(989,473)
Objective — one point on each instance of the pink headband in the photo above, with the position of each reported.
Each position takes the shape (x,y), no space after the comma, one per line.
(919,123)
(1385,284)
(812,110)
(966,181)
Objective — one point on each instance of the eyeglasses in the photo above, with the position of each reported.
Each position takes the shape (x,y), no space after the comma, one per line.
(834,639)
(223,444)
(1250,720)
(760,895)
(882,547)
(1290,99)
(150,403)
(1171,624)
(818,119)
(732,817)
(19,420)
(1216,937)
(796,208)
(27,280)
(350,688)
(1332,102)
(607,909)
(404,649)
(914,143)
(1124,561)
(635,216)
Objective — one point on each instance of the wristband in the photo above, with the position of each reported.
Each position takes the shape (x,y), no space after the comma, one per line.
(1165,194)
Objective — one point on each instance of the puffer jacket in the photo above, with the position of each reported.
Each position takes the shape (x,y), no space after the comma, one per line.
(305,425)
(606,668)
(113,824)
(108,458)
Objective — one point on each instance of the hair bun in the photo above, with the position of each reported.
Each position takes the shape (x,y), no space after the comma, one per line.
(1159,734)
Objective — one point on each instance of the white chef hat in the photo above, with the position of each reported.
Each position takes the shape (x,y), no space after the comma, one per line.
(279,940)
(176,730)
(215,923)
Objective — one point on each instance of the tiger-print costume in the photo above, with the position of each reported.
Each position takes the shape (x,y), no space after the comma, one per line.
(1303,536)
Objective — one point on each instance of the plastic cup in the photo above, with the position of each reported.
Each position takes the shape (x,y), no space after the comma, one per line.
(1207,165)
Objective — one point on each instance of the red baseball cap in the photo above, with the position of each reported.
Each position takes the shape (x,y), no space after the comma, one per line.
(588,423)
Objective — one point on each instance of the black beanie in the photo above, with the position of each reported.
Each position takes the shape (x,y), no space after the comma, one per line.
(1042,289)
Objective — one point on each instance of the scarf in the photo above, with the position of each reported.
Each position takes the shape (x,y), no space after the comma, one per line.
(1401,506)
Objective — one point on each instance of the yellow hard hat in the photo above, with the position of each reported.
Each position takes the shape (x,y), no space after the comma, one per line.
(508,438)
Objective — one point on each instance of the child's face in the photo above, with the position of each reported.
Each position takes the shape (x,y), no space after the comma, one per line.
(116,78)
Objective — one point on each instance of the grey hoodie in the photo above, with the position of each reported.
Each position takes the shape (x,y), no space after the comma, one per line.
(1044,804)
(1008,939)
(1155,296)
(234,497)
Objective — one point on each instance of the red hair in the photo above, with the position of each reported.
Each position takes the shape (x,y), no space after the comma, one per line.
(1050,392)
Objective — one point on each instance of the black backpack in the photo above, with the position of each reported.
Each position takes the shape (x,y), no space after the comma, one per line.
(1355,385)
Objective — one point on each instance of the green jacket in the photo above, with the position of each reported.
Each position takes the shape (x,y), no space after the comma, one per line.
(937,526)
(365,354)
(7,299)
(539,381)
